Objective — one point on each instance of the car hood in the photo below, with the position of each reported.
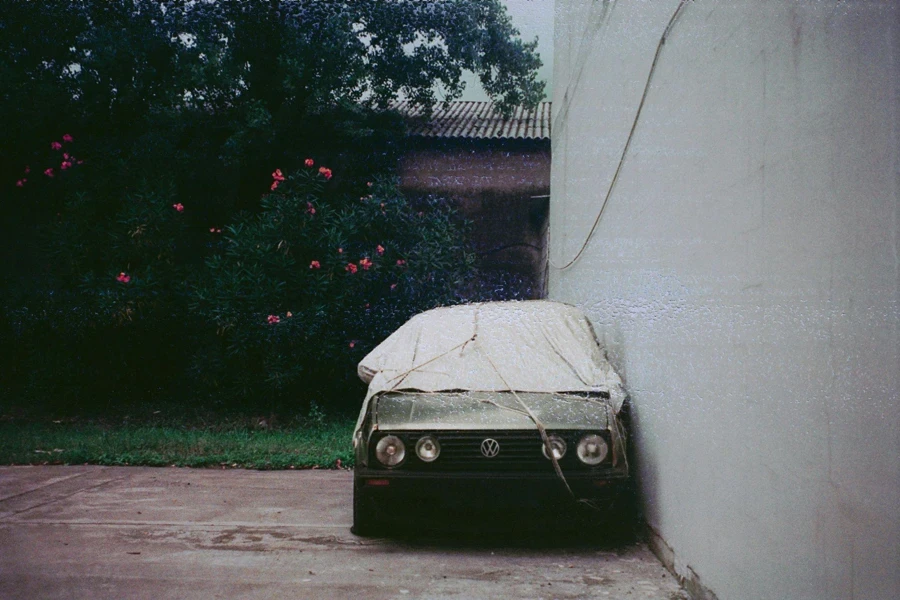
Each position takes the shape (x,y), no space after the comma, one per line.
(488,410)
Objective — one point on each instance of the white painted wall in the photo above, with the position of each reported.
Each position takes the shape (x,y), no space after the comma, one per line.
(745,276)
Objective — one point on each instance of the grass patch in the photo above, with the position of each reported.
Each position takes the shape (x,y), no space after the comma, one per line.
(97,443)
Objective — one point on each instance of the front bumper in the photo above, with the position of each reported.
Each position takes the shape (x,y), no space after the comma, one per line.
(400,494)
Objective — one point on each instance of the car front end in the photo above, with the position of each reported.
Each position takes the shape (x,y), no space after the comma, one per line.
(456,453)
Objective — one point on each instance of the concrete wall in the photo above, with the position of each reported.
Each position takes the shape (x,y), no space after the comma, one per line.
(744,276)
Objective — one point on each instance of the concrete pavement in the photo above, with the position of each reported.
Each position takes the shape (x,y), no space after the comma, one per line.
(133,532)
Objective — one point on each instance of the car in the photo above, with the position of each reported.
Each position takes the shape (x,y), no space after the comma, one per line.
(497,404)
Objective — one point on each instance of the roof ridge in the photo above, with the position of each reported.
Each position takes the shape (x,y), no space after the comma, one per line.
(478,119)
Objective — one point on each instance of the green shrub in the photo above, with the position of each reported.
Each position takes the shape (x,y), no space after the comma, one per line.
(114,296)
(300,291)
(107,323)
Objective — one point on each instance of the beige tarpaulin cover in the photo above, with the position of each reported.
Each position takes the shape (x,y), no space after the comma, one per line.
(532,346)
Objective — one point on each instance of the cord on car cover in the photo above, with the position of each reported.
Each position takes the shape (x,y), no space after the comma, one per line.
(542,430)
(614,424)
(537,424)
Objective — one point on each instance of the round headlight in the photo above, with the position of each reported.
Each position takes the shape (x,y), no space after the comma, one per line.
(390,451)
(557,446)
(428,448)
(592,449)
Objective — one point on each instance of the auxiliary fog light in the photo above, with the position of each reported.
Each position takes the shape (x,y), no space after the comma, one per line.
(557,446)
(592,449)
(428,448)
(390,451)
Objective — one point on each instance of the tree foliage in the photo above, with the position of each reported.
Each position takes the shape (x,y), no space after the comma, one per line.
(138,130)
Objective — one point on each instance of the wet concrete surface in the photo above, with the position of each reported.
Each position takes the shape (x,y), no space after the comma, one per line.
(133,532)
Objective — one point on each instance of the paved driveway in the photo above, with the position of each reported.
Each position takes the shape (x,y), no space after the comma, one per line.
(131,532)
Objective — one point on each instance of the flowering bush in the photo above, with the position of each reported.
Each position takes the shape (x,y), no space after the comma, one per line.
(107,321)
(152,297)
(135,131)
(302,290)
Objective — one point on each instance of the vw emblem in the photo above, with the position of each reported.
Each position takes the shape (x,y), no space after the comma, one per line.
(490,448)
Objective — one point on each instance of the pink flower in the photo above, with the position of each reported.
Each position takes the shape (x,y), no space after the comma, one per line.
(289,314)
(68,138)
(178,207)
(315,265)
(365,263)
(393,286)
(310,208)
(277,176)
(21,183)
(27,169)
(48,172)
(350,268)
(340,250)
(123,277)
(324,172)
(65,165)
(309,162)
(66,155)
(55,146)
(272,319)
(401,262)
(215,230)
(352,344)
(369,184)
(274,186)
(80,162)
(379,249)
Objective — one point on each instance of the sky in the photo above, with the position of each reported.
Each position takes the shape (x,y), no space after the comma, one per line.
(532,18)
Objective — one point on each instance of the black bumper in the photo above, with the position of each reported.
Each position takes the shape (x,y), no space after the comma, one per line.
(402,494)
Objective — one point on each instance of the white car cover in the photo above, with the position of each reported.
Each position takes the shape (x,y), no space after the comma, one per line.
(531,346)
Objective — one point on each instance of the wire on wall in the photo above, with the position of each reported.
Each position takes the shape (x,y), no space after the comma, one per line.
(637,116)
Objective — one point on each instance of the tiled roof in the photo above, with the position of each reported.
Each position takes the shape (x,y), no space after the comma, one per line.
(478,120)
